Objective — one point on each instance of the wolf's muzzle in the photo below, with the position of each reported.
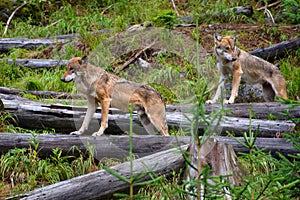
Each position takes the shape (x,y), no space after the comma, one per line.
(68,78)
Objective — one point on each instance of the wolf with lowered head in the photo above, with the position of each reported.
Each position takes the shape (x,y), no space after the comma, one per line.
(110,90)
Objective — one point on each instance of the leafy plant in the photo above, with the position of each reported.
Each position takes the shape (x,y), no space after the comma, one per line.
(166,18)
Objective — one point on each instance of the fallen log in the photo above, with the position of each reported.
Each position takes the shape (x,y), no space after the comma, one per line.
(275,110)
(8,43)
(234,125)
(104,146)
(39,94)
(65,119)
(118,146)
(278,50)
(245,10)
(102,185)
(37,63)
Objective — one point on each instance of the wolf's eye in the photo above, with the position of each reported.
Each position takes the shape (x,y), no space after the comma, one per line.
(71,68)
(227,48)
(218,47)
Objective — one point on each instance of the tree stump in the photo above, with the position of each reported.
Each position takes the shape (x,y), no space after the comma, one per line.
(221,159)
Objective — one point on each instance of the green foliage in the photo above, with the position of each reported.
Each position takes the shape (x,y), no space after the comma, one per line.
(33,79)
(166,18)
(288,65)
(291,11)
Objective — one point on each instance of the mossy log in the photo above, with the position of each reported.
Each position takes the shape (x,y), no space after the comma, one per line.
(7,44)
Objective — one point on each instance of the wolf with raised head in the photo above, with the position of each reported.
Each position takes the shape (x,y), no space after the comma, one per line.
(242,65)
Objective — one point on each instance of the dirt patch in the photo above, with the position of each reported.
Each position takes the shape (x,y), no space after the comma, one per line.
(249,37)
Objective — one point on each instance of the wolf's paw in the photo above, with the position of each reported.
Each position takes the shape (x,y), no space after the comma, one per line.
(76,133)
(229,101)
(209,102)
(98,133)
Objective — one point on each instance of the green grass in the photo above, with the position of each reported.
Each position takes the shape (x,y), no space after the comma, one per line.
(288,65)
(23,169)
(34,79)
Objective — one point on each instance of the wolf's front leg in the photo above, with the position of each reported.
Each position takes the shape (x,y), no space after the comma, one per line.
(219,90)
(104,118)
(237,74)
(92,105)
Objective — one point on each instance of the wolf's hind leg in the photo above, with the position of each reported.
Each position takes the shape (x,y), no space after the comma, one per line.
(157,115)
(150,128)
(268,92)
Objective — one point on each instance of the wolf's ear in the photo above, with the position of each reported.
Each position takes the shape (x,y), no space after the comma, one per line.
(217,37)
(84,60)
(233,37)
(72,56)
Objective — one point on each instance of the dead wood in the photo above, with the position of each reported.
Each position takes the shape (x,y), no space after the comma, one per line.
(133,58)
(12,15)
(245,10)
(219,157)
(39,94)
(65,119)
(104,146)
(102,185)
(278,50)
(8,43)
(37,63)
(264,110)
(110,146)
(276,110)
(174,7)
(269,5)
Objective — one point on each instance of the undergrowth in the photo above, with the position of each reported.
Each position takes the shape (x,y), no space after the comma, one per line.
(23,169)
